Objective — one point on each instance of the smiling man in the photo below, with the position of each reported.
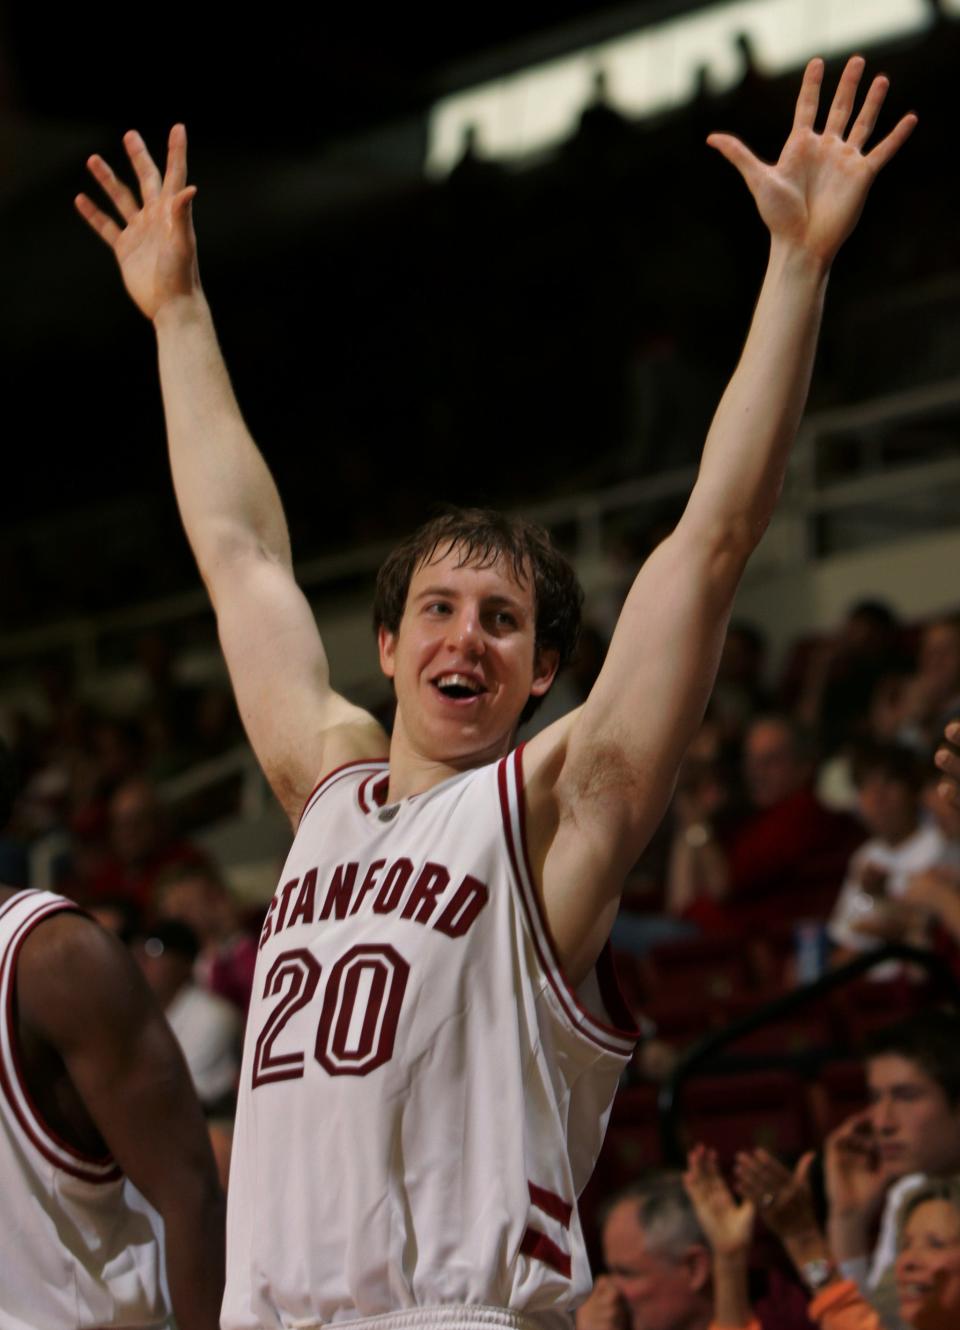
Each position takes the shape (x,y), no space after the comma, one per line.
(431,1050)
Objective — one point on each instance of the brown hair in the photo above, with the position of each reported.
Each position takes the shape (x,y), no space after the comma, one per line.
(482,537)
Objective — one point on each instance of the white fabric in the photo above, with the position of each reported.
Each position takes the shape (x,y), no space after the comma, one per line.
(207,1028)
(73,1251)
(422,1094)
(926,848)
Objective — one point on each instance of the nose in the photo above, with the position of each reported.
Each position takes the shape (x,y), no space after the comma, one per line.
(884,1118)
(465,633)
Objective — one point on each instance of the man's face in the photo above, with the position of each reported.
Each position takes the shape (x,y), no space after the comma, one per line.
(660,1293)
(915,1127)
(771,766)
(463,661)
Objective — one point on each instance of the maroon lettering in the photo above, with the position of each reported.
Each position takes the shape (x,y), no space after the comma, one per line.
(459,913)
(369,882)
(299,972)
(339,891)
(267,923)
(385,974)
(303,906)
(388,897)
(284,902)
(433,879)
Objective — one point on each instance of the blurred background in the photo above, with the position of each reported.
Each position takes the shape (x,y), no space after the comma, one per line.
(487,258)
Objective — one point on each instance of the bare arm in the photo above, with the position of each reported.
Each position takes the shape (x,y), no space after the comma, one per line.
(81,993)
(729,1230)
(599,788)
(228,501)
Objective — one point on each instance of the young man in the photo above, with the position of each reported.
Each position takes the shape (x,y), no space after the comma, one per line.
(429,1063)
(909,1133)
(94,1091)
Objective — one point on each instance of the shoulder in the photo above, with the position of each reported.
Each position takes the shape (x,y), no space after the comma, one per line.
(75,978)
(342,734)
(353,781)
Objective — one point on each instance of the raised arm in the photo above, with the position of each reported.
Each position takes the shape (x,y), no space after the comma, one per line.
(234,520)
(599,786)
(81,994)
(728,1226)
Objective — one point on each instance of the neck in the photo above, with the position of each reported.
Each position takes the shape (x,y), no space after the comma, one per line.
(414,772)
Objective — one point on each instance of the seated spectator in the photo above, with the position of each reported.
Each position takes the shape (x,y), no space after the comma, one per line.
(933,692)
(197,896)
(842,672)
(657,1260)
(142,845)
(661,1274)
(871,908)
(739,693)
(206,1027)
(927,1264)
(909,1134)
(762,869)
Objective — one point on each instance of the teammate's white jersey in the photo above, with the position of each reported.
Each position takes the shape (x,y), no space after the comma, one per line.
(73,1250)
(422,1097)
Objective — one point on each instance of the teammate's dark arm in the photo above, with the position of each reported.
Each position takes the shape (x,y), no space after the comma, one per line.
(80,992)
(231,510)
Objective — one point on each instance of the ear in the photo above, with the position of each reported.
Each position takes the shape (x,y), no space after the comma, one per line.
(387,647)
(699,1268)
(545,662)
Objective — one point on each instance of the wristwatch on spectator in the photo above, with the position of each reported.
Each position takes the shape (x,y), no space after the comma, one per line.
(818,1273)
(697,835)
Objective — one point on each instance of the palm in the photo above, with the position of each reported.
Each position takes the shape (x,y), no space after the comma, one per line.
(155,258)
(728,1225)
(156,248)
(813,195)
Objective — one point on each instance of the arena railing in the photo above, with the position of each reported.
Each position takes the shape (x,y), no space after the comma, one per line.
(585,520)
(705,1055)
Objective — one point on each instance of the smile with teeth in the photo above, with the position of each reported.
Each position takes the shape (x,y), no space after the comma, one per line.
(458,687)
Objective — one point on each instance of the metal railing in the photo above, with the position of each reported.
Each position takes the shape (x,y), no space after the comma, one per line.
(705,1053)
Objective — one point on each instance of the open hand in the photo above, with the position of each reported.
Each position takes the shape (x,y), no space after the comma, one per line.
(727,1224)
(605,1309)
(783,1198)
(853,1170)
(155,247)
(813,195)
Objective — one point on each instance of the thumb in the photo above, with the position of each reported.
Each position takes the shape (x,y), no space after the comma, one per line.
(184,199)
(738,155)
(801,1173)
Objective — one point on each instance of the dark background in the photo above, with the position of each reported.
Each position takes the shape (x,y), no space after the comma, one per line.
(499,336)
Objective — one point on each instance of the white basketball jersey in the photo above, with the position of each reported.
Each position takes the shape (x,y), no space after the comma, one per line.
(73,1250)
(423,1097)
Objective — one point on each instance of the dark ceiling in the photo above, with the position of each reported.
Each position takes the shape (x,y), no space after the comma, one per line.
(306,72)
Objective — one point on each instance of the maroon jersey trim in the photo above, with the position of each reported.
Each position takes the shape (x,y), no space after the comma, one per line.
(539,1247)
(39,1132)
(374,786)
(339,772)
(18,899)
(583,1019)
(550,1203)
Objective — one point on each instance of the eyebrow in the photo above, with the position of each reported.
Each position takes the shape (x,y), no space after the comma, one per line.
(452,594)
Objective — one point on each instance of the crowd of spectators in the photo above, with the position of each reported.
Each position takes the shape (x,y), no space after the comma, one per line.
(806,801)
